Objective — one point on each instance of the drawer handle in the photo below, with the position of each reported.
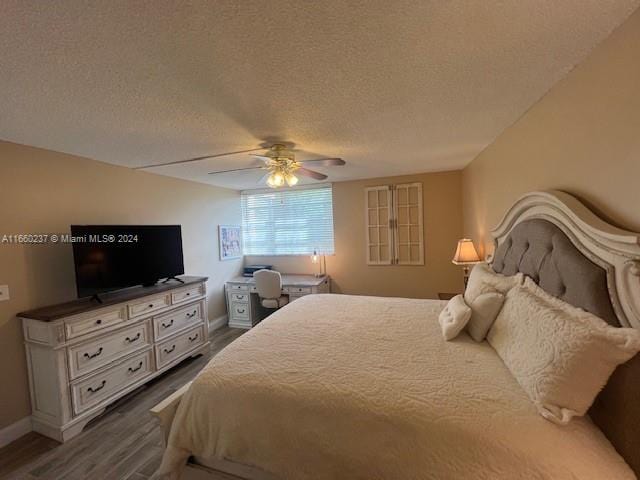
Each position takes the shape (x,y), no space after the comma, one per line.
(94,390)
(167,325)
(239,297)
(93,355)
(99,322)
(134,370)
(191,315)
(170,349)
(131,340)
(150,305)
(188,293)
(239,310)
(194,338)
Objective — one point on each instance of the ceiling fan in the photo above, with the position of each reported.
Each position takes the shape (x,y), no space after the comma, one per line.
(281,167)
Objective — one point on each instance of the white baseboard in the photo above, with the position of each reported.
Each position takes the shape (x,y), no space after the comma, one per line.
(15,431)
(217,323)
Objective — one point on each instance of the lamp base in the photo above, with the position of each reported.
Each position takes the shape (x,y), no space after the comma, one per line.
(465,271)
(316,260)
(322,264)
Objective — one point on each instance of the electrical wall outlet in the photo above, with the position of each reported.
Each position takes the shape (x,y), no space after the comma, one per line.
(4,292)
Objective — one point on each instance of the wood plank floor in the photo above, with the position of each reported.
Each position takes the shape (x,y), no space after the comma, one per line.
(123,443)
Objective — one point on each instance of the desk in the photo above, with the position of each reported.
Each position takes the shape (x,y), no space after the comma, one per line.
(243,303)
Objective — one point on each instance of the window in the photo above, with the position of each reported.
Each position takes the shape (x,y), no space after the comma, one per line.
(293,221)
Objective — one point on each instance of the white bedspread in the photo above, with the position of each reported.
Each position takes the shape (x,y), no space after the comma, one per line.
(345,387)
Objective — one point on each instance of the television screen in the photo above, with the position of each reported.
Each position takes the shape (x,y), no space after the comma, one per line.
(111,257)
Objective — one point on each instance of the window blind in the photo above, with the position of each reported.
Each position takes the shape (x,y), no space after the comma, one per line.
(294,221)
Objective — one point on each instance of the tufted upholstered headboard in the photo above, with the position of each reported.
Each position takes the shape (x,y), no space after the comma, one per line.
(573,255)
(543,252)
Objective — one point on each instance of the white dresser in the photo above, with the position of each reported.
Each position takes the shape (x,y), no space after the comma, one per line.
(83,355)
(243,304)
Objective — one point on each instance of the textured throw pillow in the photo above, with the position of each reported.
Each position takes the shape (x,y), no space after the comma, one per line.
(454,317)
(561,355)
(484,280)
(484,310)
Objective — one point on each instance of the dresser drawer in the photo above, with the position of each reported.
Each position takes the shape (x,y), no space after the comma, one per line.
(239,311)
(94,322)
(91,355)
(149,305)
(237,288)
(170,323)
(187,294)
(174,348)
(303,290)
(91,391)
(236,297)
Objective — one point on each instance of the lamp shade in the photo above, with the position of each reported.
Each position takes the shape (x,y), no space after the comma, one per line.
(465,253)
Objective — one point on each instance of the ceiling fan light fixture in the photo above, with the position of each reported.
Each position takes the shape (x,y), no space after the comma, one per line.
(291,179)
(275,180)
(280,164)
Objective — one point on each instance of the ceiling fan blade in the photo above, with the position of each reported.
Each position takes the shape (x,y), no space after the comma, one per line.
(324,162)
(262,157)
(236,170)
(264,178)
(305,172)
(197,159)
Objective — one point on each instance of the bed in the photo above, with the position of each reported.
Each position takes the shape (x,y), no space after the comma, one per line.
(337,386)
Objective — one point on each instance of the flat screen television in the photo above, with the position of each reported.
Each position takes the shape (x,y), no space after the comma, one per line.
(112,257)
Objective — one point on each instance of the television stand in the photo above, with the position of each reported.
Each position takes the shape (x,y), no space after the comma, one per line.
(123,336)
(167,280)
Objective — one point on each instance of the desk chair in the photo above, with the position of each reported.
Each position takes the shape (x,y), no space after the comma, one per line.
(269,287)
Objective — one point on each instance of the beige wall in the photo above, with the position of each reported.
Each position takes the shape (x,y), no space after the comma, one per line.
(582,137)
(44,191)
(348,268)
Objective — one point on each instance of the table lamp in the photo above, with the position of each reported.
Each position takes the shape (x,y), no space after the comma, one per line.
(466,255)
(321,261)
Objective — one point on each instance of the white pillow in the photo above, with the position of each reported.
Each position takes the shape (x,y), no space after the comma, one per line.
(454,317)
(484,280)
(484,310)
(561,355)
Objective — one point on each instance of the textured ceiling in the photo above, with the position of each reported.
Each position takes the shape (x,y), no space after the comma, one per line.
(393,87)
